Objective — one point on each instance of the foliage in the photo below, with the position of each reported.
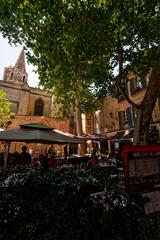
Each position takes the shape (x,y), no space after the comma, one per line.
(5,111)
(81,40)
(79,45)
(66,204)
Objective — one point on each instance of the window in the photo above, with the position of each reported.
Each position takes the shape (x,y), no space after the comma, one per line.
(38,108)
(126,118)
(18,76)
(11,76)
(129,117)
(137,85)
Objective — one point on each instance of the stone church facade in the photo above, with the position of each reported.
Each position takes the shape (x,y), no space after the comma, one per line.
(29,104)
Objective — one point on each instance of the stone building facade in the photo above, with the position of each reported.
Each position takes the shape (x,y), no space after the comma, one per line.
(117,116)
(29,104)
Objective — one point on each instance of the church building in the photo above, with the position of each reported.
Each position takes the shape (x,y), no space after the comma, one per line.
(30,105)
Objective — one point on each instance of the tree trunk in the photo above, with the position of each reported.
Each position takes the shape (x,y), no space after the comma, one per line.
(145,109)
(79,130)
(142,125)
(7,147)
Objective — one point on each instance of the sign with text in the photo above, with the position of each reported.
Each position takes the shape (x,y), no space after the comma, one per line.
(141,168)
(142,173)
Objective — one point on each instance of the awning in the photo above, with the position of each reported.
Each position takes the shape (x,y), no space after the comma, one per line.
(125,135)
(36,125)
(95,137)
(31,134)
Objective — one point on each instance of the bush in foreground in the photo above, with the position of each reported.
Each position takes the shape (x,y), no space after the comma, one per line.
(67,204)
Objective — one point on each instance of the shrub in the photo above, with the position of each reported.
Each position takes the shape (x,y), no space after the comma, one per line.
(66,204)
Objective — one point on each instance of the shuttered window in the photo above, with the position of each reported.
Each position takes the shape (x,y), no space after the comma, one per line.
(132,87)
(129,117)
(144,84)
(120,119)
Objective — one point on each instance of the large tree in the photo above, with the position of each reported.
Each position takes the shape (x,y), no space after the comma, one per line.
(5,118)
(80,43)
(5,110)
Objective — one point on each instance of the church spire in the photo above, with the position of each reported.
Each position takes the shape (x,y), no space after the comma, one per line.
(20,64)
(17,74)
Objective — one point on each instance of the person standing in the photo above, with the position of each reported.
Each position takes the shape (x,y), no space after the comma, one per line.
(24,157)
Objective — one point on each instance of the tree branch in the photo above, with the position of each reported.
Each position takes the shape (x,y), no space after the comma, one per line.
(93,59)
(119,81)
(127,98)
(104,35)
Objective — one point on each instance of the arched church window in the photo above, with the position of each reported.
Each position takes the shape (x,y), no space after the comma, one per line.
(38,107)
(11,76)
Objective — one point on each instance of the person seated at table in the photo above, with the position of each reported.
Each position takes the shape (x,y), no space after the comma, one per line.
(36,162)
(24,157)
(43,161)
(112,160)
(93,161)
(52,162)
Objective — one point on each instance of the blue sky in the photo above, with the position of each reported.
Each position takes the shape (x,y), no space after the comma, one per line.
(8,57)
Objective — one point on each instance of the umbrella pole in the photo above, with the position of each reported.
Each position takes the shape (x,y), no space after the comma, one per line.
(109,146)
(7,147)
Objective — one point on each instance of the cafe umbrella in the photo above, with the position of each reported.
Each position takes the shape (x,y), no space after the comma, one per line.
(36,133)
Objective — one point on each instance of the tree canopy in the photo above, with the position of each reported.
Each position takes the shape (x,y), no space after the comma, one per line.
(83,38)
(82,43)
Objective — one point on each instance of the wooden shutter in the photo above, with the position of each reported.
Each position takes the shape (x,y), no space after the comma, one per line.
(144,84)
(132,87)
(120,119)
(129,117)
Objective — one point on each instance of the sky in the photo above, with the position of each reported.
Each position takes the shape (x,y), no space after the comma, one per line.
(8,57)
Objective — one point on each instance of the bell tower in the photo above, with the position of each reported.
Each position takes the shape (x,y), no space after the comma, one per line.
(17,74)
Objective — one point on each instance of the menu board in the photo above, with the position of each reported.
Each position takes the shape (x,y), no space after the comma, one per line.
(141,167)
(142,173)
(144,169)
(144,166)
